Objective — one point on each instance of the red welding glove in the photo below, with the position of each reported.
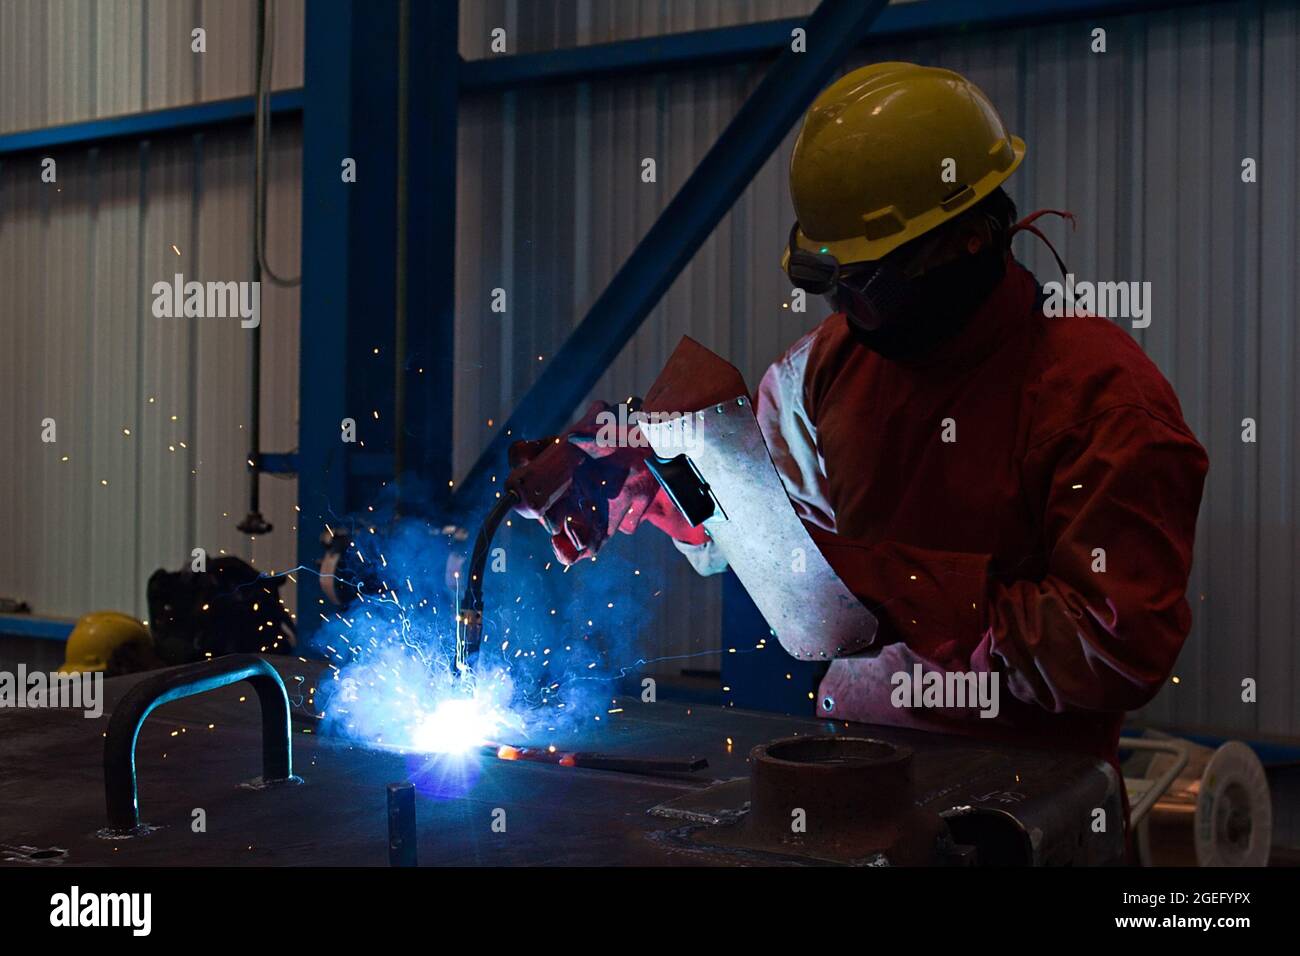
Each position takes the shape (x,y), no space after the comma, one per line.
(590,482)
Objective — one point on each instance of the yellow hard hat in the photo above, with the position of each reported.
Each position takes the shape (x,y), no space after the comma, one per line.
(868,170)
(96,636)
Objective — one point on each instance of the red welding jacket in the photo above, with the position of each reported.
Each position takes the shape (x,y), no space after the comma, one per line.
(1022,502)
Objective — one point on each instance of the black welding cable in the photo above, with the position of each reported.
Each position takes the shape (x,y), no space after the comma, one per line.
(478,558)
(469,616)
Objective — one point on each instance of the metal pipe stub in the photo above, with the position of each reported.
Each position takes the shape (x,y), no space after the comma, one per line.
(838,782)
(174,683)
(848,798)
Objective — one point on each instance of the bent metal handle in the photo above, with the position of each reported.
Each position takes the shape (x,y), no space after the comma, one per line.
(173,684)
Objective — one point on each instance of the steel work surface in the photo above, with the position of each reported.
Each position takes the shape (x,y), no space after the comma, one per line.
(195,753)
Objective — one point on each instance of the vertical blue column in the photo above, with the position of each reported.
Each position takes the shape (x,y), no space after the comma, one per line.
(428,367)
(350,111)
(326,227)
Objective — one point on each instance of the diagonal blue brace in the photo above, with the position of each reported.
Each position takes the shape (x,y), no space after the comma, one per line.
(833,30)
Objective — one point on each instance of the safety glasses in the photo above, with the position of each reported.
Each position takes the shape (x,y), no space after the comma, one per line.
(815,273)
(860,289)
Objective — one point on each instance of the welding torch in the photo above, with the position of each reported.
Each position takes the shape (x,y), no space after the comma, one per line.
(469,619)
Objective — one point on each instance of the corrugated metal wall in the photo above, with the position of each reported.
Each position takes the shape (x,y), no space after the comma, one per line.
(1144,143)
(67,60)
(93,514)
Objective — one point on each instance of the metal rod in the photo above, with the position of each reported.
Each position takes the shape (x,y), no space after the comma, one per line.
(615,763)
(1181,751)
(120,792)
(402,840)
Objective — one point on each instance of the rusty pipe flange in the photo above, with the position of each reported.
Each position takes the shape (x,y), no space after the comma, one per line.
(844,797)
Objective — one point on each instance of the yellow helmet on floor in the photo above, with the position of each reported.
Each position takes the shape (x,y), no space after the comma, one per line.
(96,636)
(888,153)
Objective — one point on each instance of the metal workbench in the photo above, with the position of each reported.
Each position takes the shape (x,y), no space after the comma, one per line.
(195,754)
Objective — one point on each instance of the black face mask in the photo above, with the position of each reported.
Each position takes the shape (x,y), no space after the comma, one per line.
(914,316)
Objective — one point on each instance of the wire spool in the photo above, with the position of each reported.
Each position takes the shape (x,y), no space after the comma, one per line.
(1217,812)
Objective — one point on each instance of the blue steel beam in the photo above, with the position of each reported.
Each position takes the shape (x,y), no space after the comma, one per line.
(139,125)
(753,41)
(328,216)
(361,241)
(427,369)
(834,28)
(27,625)
(688,50)
(596,61)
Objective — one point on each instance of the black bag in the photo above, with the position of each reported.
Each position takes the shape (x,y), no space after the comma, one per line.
(228,609)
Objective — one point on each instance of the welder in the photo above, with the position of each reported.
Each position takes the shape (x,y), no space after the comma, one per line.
(1009,493)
